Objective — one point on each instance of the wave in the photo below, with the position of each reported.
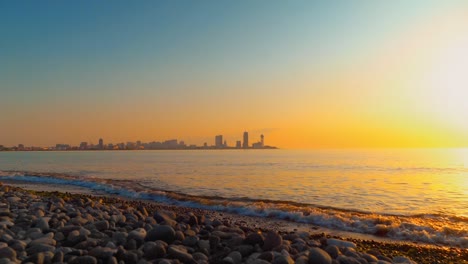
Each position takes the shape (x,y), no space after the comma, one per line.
(428,228)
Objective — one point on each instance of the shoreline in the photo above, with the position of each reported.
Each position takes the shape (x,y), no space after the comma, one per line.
(315,236)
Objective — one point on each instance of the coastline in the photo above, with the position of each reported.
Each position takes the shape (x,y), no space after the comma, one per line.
(290,233)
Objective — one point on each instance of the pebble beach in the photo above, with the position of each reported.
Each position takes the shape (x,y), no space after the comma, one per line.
(57,227)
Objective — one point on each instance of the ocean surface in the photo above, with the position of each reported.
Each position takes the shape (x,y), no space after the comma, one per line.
(407,194)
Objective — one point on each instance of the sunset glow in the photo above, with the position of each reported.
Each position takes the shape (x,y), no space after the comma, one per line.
(386,74)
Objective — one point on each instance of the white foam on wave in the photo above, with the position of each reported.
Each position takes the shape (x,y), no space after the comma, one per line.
(423,228)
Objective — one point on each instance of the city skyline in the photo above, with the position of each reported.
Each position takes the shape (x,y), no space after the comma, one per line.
(139,145)
(308,74)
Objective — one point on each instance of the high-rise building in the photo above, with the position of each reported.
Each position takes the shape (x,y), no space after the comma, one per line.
(262,140)
(101,144)
(245,144)
(238,144)
(219,141)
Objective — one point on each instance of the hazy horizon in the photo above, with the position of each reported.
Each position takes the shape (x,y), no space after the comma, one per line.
(306,74)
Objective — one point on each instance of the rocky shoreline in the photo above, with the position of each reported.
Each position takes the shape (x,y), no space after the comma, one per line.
(54,227)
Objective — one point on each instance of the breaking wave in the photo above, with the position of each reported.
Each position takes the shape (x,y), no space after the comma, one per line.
(428,228)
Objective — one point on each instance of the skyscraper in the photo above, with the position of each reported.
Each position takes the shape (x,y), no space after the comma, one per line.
(219,141)
(262,140)
(101,143)
(245,144)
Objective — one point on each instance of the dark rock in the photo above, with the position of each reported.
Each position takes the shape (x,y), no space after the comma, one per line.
(58,257)
(236,257)
(245,250)
(8,252)
(193,220)
(190,241)
(137,234)
(179,236)
(214,242)
(198,256)
(102,252)
(272,240)
(161,232)
(268,256)
(130,257)
(153,250)
(180,253)
(84,260)
(333,251)
(101,225)
(165,218)
(347,260)
(319,256)
(39,248)
(131,244)
(281,259)
(254,238)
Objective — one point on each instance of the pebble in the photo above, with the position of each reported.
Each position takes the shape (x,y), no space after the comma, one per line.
(161,232)
(84,230)
(272,240)
(319,256)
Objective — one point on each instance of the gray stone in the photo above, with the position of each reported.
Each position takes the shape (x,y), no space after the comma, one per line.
(198,256)
(43,223)
(44,241)
(204,244)
(281,259)
(39,248)
(101,225)
(137,234)
(190,241)
(153,250)
(120,238)
(180,253)
(340,243)
(319,256)
(347,260)
(102,252)
(84,260)
(370,258)
(161,232)
(236,256)
(245,250)
(272,240)
(165,218)
(333,251)
(403,260)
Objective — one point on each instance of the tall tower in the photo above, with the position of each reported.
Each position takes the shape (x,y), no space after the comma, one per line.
(101,143)
(245,144)
(262,140)
(219,141)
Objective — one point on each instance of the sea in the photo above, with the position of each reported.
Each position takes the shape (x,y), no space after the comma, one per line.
(418,195)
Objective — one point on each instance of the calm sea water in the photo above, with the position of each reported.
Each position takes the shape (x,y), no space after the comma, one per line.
(414,194)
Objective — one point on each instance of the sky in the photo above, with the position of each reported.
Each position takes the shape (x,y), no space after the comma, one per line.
(306,74)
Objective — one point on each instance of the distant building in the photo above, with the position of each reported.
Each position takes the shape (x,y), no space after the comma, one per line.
(238,144)
(84,145)
(260,144)
(170,144)
(101,144)
(219,141)
(62,147)
(20,147)
(245,144)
